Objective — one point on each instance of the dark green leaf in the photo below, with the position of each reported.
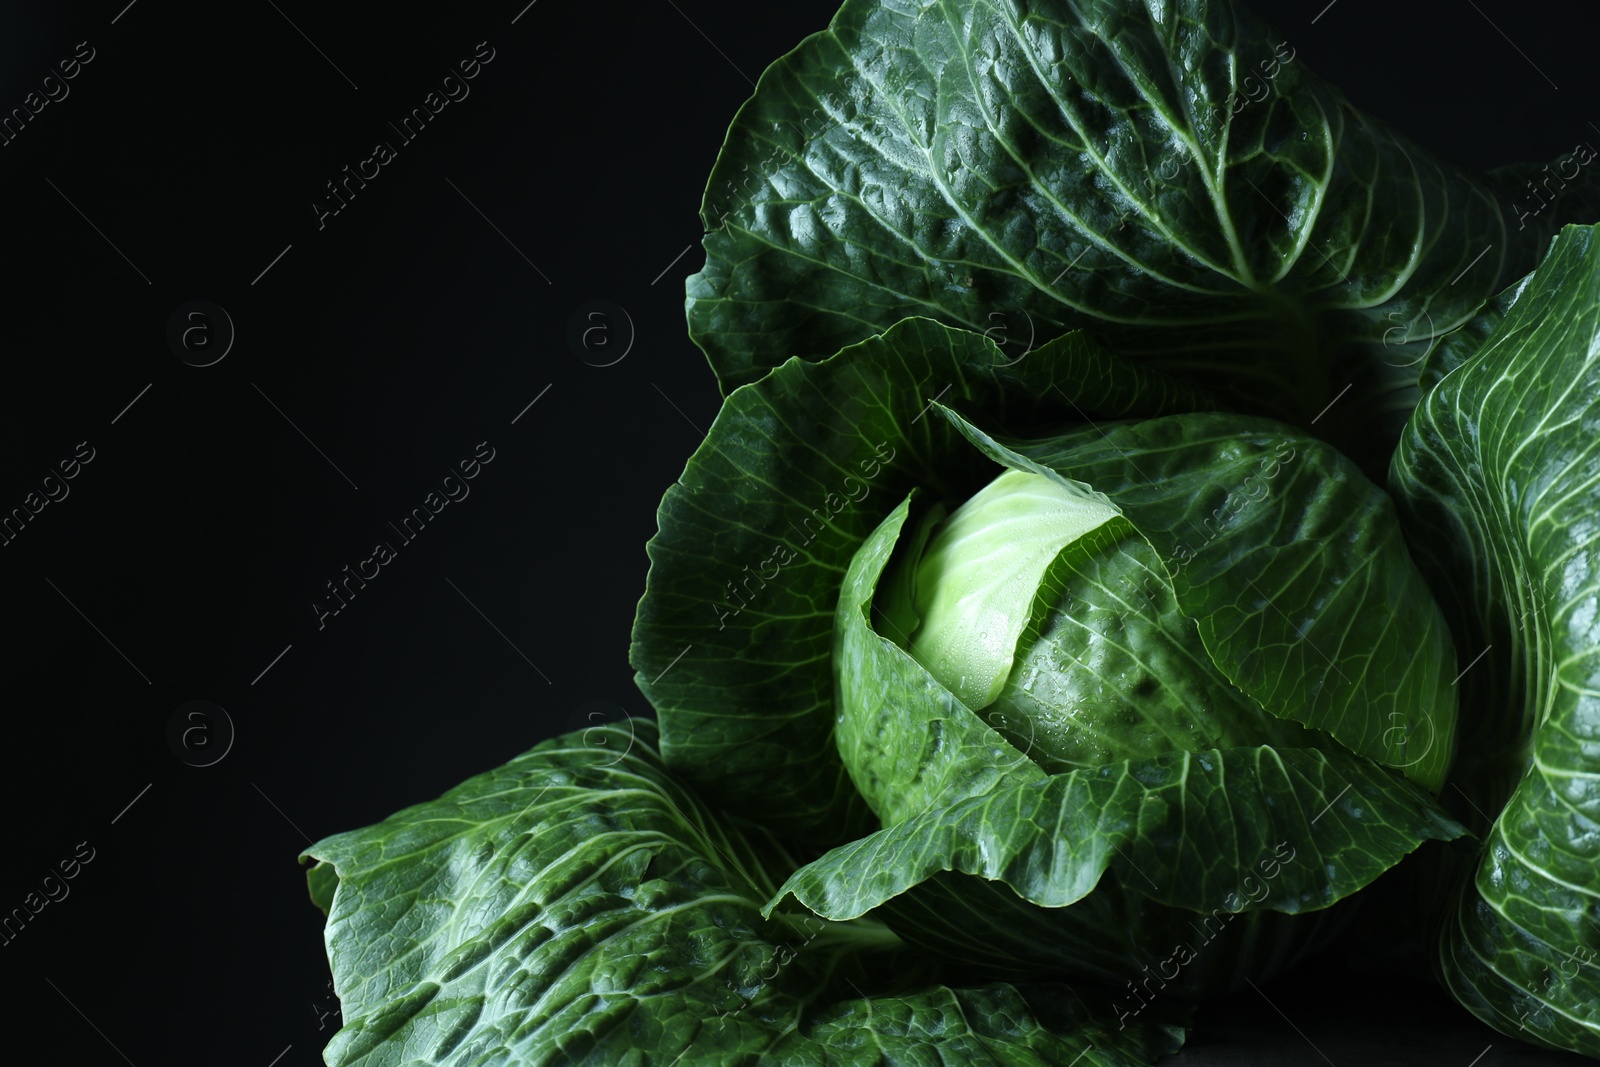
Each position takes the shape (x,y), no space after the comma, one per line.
(1499,478)
(1191,834)
(1166,174)
(576,906)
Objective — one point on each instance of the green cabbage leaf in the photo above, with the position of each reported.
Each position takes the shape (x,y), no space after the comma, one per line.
(1497,477)
(577,906)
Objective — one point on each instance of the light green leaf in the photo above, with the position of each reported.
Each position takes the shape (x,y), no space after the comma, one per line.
(577,906)
(978,575)
(1499,479)
(321,881)
(910,743)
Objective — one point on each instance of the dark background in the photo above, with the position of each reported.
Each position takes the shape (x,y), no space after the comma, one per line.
(369,358)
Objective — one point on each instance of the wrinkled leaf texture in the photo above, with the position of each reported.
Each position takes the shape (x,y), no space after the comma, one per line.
(577,906)
(1166,174)
(1498,476)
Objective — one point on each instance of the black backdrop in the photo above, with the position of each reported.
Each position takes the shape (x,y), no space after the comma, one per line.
(373,350)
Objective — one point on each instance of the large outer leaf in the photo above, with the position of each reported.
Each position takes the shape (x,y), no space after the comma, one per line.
(1499,477)
(576,906)
(1035,166)
(1193,832)
(734,637)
